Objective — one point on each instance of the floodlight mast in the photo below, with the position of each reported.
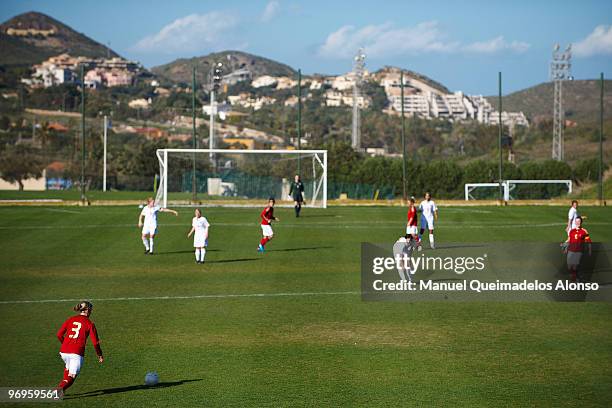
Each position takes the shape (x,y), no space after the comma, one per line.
(560,70)
(215,78)
(358,68)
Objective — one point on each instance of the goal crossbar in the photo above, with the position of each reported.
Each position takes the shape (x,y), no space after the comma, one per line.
(318,156)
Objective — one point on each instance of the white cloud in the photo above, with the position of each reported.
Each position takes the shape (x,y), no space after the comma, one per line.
(385,40)
(496,44)
(599,42)
(271,11)
(192,33)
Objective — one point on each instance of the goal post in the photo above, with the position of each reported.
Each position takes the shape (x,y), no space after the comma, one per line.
(512,189)
(239,176)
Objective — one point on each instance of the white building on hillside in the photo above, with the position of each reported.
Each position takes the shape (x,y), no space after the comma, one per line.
(454,107)
(264,80)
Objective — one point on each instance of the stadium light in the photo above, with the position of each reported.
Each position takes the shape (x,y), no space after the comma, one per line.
(216,72)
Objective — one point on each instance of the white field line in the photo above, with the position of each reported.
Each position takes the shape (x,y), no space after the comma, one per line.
(218,296)
(378,225)
(63,211)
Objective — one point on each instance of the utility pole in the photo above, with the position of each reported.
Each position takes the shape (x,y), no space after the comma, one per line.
(299,122)
(83,133)
(403,138)
(601,130)
(560,70)
(499,142)
(105,141)
(193,133)
(358,67)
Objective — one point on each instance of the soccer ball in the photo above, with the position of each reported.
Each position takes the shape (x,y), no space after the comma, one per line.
(151,379)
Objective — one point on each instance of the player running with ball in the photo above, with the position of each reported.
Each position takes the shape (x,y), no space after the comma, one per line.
(73,335)
(148,222)
(429,213)
(199,227)
(267,216)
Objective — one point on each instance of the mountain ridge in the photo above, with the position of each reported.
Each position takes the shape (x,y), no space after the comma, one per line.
(30,38)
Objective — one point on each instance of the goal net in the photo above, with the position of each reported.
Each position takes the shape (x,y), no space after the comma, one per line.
(518,190)
(239,176)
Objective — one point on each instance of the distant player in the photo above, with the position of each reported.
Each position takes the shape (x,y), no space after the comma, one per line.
(571,216)
(148,222)
(576,240)
(267,216)
(411,224)
(73,335)
(199,227)
(297,193)
(429,213)
(403,248)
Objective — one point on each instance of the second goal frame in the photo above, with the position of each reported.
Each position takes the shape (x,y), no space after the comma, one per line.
(509,185)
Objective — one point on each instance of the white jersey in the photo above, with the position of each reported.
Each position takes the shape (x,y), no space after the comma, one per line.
(200,225)
(428,208)
(403,248)
(150,215)
(571,217)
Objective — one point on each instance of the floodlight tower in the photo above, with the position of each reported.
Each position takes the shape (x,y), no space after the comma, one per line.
(560,70)
(358,68)
(216,70)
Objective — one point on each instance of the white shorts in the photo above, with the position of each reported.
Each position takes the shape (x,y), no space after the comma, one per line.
(267,230)
(573,258)
(199,240)
(149,229)
(427,222)
(73,362)
(411,229)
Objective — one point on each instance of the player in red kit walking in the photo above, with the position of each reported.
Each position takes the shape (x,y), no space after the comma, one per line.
(73,336)
(267,216)
(411,225)
(577,237)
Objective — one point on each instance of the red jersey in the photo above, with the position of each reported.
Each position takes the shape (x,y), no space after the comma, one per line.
(577,237)
(412,216)
(73,335)
(267,215)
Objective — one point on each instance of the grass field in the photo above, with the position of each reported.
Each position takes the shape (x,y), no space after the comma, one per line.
(287,328)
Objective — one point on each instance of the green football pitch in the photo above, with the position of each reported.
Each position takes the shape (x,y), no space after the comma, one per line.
(286,328)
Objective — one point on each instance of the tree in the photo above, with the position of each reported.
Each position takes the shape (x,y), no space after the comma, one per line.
(18,163)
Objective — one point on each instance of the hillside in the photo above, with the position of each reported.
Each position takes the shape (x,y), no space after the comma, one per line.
(415,76)
(32,37)
(581,100)
(180,69)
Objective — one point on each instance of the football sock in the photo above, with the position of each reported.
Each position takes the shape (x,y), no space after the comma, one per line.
(264,241)
(66,383)
(202,254)
(150,244)
(297,210)
(66,373)
(145,241)
(197,254)
(431,240)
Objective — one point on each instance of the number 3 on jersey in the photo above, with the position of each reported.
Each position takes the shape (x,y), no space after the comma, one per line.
(76,329)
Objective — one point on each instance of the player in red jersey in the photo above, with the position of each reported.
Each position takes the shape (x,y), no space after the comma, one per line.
(267,216)
(411,225)
(73,336)
(575,243)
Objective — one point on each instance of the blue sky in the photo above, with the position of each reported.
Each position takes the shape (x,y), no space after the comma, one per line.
(462,44)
